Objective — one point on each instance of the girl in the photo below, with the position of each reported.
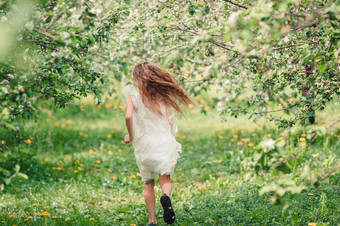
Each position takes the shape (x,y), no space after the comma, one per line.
(150,121)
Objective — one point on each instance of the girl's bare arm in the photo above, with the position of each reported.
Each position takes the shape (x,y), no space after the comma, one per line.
(128,120)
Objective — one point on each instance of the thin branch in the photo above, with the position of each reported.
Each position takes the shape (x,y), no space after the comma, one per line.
(53,22)
(281,161)
(236,4)
(330,172)
(284,47)
(41,41)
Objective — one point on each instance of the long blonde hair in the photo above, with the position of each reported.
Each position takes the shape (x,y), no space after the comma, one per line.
(157,86)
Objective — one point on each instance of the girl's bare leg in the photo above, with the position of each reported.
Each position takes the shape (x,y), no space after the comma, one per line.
(149,196)
(165,183)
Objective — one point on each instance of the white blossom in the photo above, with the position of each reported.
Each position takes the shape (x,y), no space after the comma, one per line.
(29,25)
(286,39)
(270,144)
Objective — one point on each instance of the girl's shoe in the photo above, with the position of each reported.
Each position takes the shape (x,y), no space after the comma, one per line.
(152,224)
(169,214)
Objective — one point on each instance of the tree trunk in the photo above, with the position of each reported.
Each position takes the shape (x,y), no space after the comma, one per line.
(309,72)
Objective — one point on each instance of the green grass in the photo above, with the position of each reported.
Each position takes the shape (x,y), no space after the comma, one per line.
(79,167)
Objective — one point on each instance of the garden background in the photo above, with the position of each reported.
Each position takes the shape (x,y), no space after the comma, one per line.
(260,146)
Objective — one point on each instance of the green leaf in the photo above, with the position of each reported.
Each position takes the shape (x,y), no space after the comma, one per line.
(22,176)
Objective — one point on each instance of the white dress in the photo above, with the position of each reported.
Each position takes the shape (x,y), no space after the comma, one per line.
(156,149)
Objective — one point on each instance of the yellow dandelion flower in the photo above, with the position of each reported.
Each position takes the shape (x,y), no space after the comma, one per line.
(132,224)
(46,207)
(235,136)
(122,173)
(120,150)
(175,179)
(311,224)
(201,188)
(98,161)
(132,176)
(35,204)
(220,136)
(56,124)
(108,106)
(66,185)
(303,144)
(239,143)
(250,144)
(2,142)
(254,134)
(86,136)
(110,152)
(220,160)
(206,107)
(114,177)
(315,155)
(28,141)
(95,169)
(59,168)
(54,217)
(25,219)
(60,190)
(231,139)
(303,135)
(109,136)
(302,139)
(91,219)
(12,216)
(121,159)
(310,194)
(29,217)
(86,174)
(45,213)
(110,170)
(75,171)
(91,151)
(67,219)
(138,174)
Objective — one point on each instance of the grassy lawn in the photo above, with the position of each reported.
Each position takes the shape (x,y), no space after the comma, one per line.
(81,173)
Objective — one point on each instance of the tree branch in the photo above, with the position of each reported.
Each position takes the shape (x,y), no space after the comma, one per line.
(281,161)
(236,4)
(53,22)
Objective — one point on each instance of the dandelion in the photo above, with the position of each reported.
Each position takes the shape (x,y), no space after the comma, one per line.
(67,219)
(56,124)
(86,136)
(98,161)
(59,168)
(2,142)
(250,144)
(11,216)
(75,171)
(54,217)
(303,135)
(310,194)
(121,159)
(110,170)
(231,139)
(132,224)
(311,224)
(25,219)
(114,178)
(302,139)
(201,188)
(220,136)
(291,99)
(28,141)
(219,161)
(110,152)
(296,178)
(253,134)
(29,217)
(235,136)
(315,155)
(119,150)
(175,179)
(86,174)
(239,143)
(66,185)
(138,174)
(206,107)
(45,213)
(122,173)
(46,207)
(109,136)
(132,176)
(269,135)
(91,151)
(35,204)
(91,219)
(60,190)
